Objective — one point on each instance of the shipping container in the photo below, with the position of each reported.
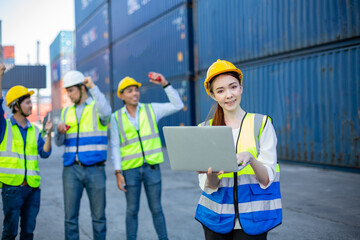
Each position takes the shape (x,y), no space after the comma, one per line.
(150,93)
(63,45)
(162,46)
(93,35)
(128,16)
(314,101)
(28,76)
(60,66)
(98,68)
(84,8)
(240,30)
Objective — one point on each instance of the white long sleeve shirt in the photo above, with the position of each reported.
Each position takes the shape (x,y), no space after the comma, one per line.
(160,110)
(267,155)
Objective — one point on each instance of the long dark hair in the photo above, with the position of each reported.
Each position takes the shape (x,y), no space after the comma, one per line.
(216,112)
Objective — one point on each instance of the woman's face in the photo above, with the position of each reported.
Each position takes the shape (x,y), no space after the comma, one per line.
(226,90)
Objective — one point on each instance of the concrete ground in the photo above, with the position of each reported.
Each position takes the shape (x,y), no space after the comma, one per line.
(317,204)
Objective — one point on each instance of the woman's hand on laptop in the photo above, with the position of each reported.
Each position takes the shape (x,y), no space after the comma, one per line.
(244,158)
(212,180)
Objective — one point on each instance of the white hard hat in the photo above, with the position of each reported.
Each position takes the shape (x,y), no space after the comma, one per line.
(73,78)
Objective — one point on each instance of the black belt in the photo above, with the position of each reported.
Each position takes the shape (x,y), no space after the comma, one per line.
(102,163)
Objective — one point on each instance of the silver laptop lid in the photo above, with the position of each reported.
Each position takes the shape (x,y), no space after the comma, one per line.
(198,148)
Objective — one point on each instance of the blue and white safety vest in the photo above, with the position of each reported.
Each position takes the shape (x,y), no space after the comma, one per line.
(88,139)
(239,194)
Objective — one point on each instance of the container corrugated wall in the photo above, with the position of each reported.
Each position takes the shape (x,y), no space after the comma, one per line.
(60,66)
(162,46)
(128,16)
(93,35)
(28,76)
(84,8)
(240,30)
(98,67)
(314,101)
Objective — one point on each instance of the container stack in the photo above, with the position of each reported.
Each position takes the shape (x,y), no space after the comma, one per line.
(154,36)
(300,61)
(61,61)
(93,42)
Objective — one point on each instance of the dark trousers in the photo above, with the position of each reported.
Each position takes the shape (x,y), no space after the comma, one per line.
(20,202)
(233,235)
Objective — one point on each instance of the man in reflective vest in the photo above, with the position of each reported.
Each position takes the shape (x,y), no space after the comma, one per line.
(83,131)
(136,149)
(20,146)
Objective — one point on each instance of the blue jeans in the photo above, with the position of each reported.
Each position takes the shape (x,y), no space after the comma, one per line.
(150,175)
(20,202)
(75,179)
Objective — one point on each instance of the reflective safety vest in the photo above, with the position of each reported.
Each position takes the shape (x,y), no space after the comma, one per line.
(88,138)
(19,160)
(135,146)
(239,194)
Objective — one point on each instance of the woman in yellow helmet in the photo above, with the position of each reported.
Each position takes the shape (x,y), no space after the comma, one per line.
(244,204)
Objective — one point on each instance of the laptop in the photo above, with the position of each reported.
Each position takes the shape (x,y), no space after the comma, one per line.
(198,148)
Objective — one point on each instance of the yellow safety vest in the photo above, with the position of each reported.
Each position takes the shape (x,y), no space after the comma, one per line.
(18,160)
(135,146)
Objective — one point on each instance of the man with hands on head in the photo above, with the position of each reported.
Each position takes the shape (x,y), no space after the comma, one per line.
(136,149)
(83,131)
(20,146)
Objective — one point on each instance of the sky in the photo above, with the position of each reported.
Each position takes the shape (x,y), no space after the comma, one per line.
(24,22)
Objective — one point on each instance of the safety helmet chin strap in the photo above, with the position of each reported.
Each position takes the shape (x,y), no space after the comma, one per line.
(81,94)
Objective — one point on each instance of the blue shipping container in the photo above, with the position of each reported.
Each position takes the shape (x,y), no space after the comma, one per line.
(127,16)
(84,8)
(93,35)
(60,66)
(28,76)
(98,68)
(151,93)
(240,30)
(62,45)
(314,101)
(162,46)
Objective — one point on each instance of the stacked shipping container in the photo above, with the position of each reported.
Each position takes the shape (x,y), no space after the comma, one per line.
(301,64)
(155,36)
(93,42)
(300,59)
(61,61)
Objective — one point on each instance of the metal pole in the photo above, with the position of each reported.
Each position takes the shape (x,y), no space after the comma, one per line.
(38,90)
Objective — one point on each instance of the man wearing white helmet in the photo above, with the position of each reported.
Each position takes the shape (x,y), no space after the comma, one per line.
(83,131)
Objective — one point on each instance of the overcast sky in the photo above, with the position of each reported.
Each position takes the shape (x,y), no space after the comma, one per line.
(24,22)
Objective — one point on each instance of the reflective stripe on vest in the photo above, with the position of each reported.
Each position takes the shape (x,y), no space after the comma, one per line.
(89,141)
(135,145)
(14,162)
(259,209)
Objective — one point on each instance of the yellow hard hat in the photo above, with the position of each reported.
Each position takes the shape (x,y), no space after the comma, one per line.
(126,82)
(218,67)
(17,92)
